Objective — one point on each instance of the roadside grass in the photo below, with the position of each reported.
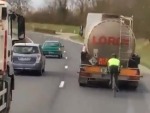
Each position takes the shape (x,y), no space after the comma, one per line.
(57,28)
(143,49)
(77,38)
(145,55)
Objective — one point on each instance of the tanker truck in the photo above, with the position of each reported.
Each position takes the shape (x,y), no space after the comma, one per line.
(105,34)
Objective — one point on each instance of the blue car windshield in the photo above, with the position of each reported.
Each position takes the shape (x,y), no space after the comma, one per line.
(26,49)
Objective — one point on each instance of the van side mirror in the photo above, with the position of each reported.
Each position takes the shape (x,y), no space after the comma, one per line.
(21,27)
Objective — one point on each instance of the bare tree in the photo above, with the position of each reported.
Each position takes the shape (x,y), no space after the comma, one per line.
(20,6)
(61,8)
(81,5)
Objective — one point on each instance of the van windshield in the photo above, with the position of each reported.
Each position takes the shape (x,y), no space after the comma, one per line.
(26,49)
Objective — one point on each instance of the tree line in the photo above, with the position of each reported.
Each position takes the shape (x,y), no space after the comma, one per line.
(74,12)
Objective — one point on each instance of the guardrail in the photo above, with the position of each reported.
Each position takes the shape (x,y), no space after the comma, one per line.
(3,92)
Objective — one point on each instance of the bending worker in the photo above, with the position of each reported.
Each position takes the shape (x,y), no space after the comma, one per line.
(114,67)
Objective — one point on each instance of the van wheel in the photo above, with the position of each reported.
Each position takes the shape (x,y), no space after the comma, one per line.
(40,72)
(43,70)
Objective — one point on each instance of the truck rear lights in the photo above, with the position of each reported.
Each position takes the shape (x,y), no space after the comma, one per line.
(82,69)
(85,74)
(134,78)
(103,61)
(138,72)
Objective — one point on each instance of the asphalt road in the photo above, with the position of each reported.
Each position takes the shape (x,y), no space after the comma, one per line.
(57,91)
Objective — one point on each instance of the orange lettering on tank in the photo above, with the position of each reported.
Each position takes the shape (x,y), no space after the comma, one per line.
(93,40)
(102,40)
(109,40)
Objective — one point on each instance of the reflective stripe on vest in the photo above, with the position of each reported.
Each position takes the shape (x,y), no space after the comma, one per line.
(113,61)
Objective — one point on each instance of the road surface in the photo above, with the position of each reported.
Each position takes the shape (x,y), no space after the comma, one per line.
(57,91)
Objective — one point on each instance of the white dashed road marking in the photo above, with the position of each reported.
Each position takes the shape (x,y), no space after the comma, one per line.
(66,67)
(61,84)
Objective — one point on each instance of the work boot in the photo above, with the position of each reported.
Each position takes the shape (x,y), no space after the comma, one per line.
(110,83)
(117,89)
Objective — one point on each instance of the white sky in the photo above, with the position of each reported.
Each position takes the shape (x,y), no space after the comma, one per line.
(37,3)
(41,3)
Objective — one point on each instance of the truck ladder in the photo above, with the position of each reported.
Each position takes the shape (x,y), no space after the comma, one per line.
(125,32)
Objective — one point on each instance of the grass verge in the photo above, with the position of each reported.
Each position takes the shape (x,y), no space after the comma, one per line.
(143,49)
(77,38)
(57,28)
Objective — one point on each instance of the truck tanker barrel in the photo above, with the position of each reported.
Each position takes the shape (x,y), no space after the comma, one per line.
(104,35)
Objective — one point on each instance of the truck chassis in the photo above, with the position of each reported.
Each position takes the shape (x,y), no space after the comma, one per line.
(88,74)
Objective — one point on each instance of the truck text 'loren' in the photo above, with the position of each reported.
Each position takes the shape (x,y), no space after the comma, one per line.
(109,40)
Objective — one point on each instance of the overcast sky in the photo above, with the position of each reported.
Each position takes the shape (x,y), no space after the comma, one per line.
(37,3)
(41,3)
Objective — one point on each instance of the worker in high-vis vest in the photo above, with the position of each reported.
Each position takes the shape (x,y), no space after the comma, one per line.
(114,67)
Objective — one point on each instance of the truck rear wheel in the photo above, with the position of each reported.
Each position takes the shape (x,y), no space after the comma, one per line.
(134,85)
(82,84)
(82,81)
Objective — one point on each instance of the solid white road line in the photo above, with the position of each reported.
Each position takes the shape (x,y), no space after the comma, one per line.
(66,58)
(130,108)
(61,84)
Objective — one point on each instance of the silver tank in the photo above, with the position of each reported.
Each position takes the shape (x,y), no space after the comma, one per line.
(102,37)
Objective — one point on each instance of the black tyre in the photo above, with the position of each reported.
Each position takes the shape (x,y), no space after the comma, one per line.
(40,72)
(43,70)
(60,56)
(82,82)
(134,85)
